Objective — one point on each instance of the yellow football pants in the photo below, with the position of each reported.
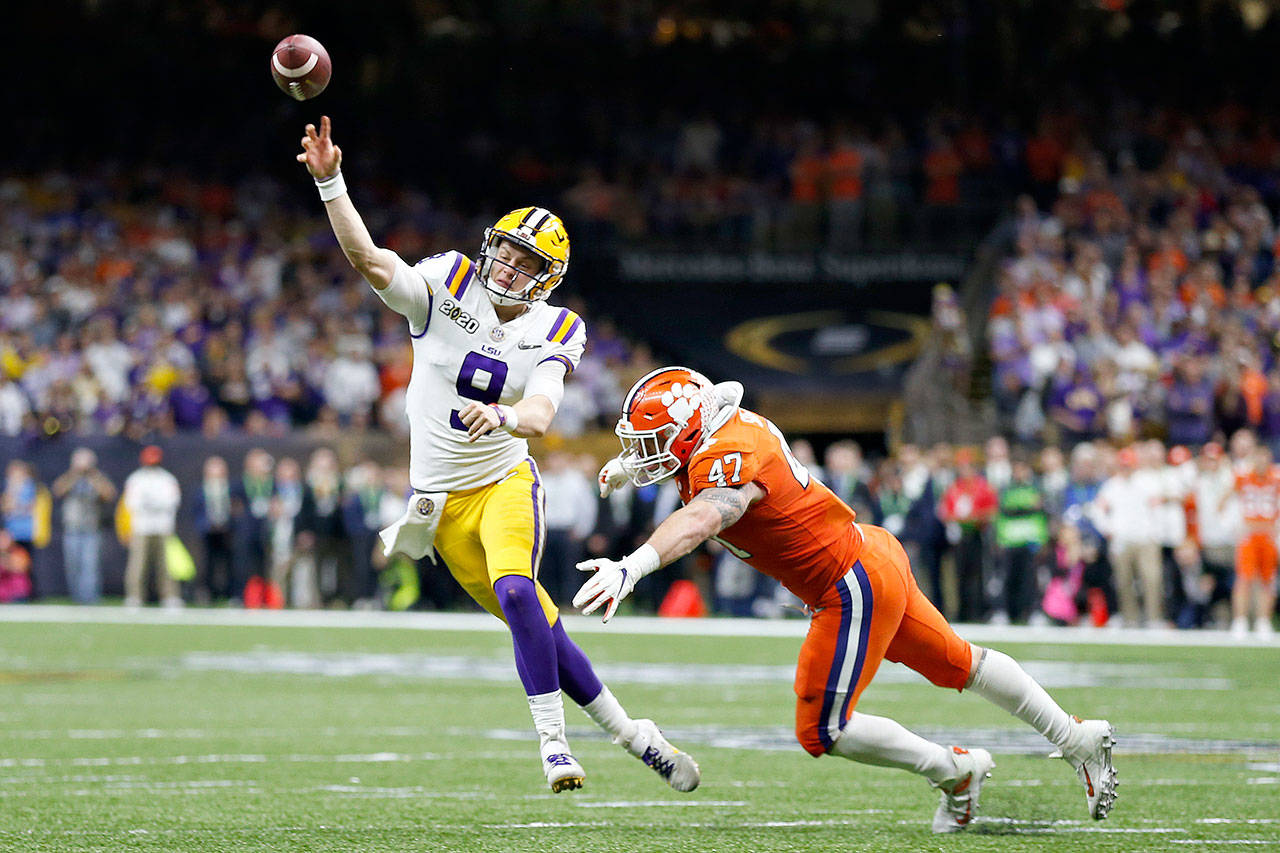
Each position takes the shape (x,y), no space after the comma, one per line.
(493,531)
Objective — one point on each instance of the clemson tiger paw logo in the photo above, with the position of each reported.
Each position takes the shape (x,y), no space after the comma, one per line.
(681,400)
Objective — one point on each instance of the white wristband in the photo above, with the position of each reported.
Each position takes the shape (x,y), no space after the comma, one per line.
(507,419)
(332,186)
(643,560)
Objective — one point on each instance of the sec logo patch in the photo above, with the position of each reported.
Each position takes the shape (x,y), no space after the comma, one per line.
(426,506)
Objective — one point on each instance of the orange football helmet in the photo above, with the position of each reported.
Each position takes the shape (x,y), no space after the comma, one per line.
(662,423)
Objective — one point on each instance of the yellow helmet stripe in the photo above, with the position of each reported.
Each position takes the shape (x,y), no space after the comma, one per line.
(458,275)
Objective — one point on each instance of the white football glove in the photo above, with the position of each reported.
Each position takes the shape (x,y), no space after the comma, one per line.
(612,477)
(613,580)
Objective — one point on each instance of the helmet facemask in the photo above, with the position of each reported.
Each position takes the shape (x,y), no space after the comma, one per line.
(646,454)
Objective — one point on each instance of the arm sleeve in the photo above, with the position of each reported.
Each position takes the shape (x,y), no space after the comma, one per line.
(547,379)
(408,294)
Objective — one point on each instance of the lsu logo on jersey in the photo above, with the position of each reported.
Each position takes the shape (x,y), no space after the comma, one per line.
(454,312)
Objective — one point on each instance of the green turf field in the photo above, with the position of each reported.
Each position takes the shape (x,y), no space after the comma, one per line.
(212,738)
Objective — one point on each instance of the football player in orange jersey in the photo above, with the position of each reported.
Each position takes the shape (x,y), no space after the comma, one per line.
(1258,490)
(741,485)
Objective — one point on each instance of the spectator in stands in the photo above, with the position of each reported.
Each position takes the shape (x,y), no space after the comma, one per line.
(151,495)
(351,385)
(846,475)
(1021,531)
(295,579)
(87,496)
(1217,519)
(25,506)
(845,204)
(924,537)
(361,507)
(213,515)
(251,506)
(571,507)
(1124,511)
(321,537)
(1189,404)
(15,410)
(15,570)
(968,506)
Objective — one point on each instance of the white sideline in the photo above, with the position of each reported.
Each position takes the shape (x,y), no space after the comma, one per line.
(651,625)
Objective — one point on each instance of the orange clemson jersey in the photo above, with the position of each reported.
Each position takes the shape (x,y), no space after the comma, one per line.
(1259,498)
(799,532)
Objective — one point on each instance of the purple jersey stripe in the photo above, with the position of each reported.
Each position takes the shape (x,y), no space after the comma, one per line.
(568,365)
(535,560)
(864,634)
(837,663)
(555,327)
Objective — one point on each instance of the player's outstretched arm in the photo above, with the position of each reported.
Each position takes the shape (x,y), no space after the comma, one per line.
(710,512)
(323,160)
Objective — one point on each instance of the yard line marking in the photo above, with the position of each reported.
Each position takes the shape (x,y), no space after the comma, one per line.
(137,760)
(647,625)
(1221,841)
(658,804)
(1002,741)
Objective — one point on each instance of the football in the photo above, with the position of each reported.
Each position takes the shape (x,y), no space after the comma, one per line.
(301,67)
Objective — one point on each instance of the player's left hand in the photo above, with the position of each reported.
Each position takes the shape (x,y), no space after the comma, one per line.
(612,582)
(479,419)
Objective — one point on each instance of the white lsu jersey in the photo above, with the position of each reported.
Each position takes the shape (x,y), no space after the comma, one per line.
(462,353)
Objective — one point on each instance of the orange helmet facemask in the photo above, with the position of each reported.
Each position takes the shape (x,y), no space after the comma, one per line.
(663,421)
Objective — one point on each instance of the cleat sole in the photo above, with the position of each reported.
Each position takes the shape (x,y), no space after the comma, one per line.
(568,783)
(1110,780)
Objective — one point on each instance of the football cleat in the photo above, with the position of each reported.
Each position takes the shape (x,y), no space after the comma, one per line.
(1092,761)
(564,773)
(959,802)
(678,768)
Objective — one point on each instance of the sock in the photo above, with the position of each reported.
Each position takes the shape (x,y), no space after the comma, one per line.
(1000,680)
(609,715)
(535,649)
(885,743)
(548,719)
(577,677)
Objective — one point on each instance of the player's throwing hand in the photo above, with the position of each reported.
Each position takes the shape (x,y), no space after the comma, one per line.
(322,158)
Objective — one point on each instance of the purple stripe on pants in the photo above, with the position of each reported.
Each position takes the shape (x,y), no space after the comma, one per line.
(535,559)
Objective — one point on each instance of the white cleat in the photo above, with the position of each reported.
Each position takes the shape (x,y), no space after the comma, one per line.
(960,795)
(1092,761)
(648,744)
(564,773)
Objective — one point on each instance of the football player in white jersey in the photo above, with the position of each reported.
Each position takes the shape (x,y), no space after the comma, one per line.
(489,361)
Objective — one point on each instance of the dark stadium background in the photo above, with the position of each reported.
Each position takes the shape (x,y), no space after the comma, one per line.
(486,106)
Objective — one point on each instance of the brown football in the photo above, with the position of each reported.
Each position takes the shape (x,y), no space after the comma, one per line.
(301,67)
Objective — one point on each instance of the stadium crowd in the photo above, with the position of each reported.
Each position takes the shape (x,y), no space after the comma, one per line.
(1145,298)
(1135,536)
